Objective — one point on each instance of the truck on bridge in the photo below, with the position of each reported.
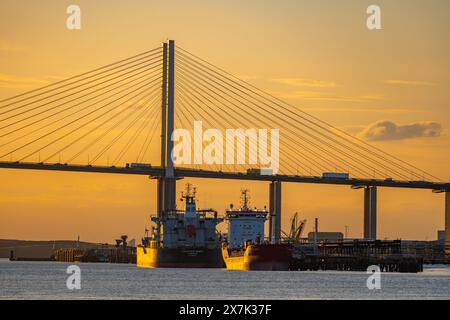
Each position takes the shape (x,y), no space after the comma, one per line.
(336,175)
(137,165)
(254,171)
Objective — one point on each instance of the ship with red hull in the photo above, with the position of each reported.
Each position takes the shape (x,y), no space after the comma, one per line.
(258,257)
(245,248)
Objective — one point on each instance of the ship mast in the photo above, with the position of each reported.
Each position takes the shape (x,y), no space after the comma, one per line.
(189,194)
(245,199)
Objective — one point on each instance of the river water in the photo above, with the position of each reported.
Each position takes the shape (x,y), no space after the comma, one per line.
(47,280)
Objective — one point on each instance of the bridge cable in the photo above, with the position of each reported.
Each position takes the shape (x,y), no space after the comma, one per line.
(196,134)
(329,162)
(272,114)
(76,105)
(315,137)
(321,121)
(214,110)
(157,62)
(55,130)
(95,128)
(115,139)
(227,114)
(116,125)
(133,138)
(147,142)
(71,78)
(188,110)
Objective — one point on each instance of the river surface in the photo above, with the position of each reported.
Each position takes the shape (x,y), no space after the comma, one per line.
(47,280)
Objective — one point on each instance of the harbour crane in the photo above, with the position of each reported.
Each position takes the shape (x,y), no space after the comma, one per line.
(297,227)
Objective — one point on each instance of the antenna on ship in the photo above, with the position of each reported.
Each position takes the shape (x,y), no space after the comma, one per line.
(245,198)
(190,191)
(189,194)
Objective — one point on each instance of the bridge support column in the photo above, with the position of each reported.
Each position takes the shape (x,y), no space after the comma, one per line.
(160,197)
(166,195)
(447,225)
(166,192)
(170,182)
(370,213)
(275,212)
(170,193)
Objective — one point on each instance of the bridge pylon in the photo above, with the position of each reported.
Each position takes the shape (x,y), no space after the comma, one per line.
(167,182)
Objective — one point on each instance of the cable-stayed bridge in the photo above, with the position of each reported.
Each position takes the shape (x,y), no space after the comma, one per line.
(125,112)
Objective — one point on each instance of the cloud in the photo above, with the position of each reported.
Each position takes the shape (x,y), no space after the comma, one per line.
(12,81)
(409,82)
(361,110)
(299,82)
(325,96)
(388,130)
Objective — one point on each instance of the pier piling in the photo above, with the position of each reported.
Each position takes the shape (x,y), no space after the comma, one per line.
(275,212)
(447,225)
(370,213)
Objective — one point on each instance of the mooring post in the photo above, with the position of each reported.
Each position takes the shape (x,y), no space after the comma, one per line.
(367,212)
(278,212)
(271,193)
(373,213)
(447,225)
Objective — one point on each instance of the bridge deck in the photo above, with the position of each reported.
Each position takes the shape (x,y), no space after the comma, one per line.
(194,173)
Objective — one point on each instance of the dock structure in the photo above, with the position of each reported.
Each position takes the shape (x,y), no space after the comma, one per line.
(69,254)
(357,255)
(111,255)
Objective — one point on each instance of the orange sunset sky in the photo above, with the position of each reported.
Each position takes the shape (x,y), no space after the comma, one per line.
(317,55)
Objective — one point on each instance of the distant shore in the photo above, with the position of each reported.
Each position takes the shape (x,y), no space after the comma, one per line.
(38,249)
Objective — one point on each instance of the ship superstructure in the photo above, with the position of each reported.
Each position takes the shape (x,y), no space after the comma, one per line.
(183,238)
(245,224)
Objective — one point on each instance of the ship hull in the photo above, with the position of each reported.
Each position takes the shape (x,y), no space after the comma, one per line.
(179,258)
(259,257)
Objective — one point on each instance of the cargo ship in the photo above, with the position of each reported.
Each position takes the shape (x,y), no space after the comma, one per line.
(182,238)
(245,247)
